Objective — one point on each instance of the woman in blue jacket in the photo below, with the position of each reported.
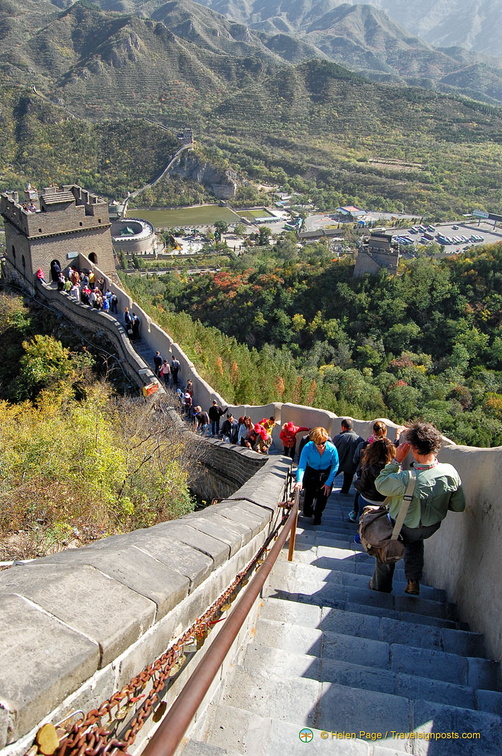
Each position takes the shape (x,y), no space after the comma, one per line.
(316,471)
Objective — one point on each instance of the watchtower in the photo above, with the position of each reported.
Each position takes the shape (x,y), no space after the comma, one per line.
(56,224)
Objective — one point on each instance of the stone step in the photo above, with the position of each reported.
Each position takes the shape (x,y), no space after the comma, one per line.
(373,627)
(199,748)
(330,592)
(340,557)
(307,529)
(243,732)
(398,658)
(341,709)
(364,608)
(285,663)
(300,575)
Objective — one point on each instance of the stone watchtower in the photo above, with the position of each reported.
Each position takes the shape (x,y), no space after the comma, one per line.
(56,224)
(378,252)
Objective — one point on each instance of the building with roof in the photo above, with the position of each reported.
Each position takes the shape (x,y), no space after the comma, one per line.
(350,213)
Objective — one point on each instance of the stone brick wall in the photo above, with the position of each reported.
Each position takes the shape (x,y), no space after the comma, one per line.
(80,624)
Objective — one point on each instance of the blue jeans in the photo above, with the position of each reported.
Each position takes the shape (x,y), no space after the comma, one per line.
(413,539)
(215,427)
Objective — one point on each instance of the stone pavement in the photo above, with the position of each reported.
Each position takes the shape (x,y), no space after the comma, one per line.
(368,674)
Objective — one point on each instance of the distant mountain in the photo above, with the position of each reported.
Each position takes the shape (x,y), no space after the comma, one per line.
(472,24)
(359,37)
(364,38)
(251,105)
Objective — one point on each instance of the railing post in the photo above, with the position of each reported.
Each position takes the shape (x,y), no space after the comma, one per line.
(292,536)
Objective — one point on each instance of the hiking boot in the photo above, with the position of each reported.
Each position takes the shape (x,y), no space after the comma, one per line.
(412,588)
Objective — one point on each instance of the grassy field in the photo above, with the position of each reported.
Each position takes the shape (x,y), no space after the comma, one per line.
(253,214)
(190,216)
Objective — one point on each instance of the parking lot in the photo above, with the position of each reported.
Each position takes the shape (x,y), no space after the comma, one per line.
(454,237)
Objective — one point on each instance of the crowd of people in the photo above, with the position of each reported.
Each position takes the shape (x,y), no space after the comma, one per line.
(85,287)
(241,431)
(383,476)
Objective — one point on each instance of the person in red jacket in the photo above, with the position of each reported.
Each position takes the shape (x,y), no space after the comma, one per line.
(288,437)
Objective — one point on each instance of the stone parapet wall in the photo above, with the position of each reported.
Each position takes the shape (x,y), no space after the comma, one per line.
(78,625)
(465,557)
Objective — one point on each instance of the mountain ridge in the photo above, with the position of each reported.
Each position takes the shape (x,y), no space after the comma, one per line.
(359,37)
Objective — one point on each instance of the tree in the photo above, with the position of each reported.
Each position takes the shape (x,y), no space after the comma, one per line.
(220,228)
(264,236)
(46,364)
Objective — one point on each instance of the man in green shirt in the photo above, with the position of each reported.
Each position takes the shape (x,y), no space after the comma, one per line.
(438,489)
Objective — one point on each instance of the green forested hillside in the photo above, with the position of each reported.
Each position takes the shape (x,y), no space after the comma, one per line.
(78,462)
(424,343)
(41,144)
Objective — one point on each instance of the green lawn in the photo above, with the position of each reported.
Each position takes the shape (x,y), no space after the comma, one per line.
(188,216)
(253,214)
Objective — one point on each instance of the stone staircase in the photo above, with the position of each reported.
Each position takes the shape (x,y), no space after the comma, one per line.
(368,674)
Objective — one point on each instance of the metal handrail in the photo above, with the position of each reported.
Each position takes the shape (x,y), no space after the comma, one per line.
(174,725)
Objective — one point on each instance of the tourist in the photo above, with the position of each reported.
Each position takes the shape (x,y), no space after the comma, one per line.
(288,437)
(157,361)
(74,276)
(316,471)
(229,429)
(74,293)
(127,320)
(40,275)
(346,443)
(55,271)
(85,293)
(259,439)
(136,324)
(187,405)
(438,488)
(379,431)
(202,419)
(175,368)
(164,372)
(245,426)
(375,457)
(215,412)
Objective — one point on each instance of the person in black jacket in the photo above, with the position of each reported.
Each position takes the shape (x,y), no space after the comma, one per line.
(215,412)
(346,443)
(230,428)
